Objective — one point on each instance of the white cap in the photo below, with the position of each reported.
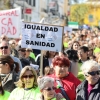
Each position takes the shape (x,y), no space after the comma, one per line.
(36,67)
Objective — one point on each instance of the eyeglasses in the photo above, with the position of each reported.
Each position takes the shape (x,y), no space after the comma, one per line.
(28,50)
(93,73)
(50,88)
(2,62)
(4,47)
(28,76)
(22,50)
(13,43)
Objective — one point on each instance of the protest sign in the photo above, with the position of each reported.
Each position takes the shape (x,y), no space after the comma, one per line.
(10,22)
(68,29)
(43,37)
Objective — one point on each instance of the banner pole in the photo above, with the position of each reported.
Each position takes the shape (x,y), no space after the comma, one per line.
(41,63)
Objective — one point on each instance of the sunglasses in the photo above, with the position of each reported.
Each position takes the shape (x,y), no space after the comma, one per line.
(22,50)
(28,50)
(2,62)
(93,73)
(50,88)
(13,43)
(4,47)
(28,76)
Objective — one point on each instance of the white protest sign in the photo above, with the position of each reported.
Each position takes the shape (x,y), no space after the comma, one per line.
(43,37)
(10,22)
(68,29)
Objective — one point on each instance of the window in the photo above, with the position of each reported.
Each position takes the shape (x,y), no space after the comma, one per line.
(34,3)
(27,1)
(30,19)
(26,17)
(30,2)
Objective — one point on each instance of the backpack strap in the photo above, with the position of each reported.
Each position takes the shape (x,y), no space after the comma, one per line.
(62,89)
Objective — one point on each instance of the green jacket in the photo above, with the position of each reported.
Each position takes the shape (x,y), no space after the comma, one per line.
(5,96)
(80,73)
(32,55)
(21,94)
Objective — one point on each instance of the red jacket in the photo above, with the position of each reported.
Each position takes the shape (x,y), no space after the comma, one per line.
(69,83)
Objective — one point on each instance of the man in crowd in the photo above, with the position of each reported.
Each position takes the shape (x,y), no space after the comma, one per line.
(5,50)
(83,56)
(22,53)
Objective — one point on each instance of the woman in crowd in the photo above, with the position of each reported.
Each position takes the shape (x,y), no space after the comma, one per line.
(4,95)
(91,54)
(27,88)
(63,78)
(75,45)
(89,89)
(8,72)
(47,58)
(48,70)
(14,52)
(46,86)
(27,56)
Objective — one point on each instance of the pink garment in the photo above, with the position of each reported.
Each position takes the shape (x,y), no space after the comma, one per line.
(90,87)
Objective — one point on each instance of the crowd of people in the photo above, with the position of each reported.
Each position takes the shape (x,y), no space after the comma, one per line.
(72,74)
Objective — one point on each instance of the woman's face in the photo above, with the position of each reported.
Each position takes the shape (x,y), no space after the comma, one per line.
(4,68)
(48,91)
(28,79)
(61,71)
(52,53)
(75,46)
(93,79)
(90,53)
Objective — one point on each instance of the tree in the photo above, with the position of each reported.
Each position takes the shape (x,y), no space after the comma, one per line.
(78,12)
(4,4)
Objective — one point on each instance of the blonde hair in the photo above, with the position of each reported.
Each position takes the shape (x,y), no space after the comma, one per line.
(47,70)
(20,83)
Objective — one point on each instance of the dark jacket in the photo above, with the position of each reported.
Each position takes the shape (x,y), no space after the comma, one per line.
(45,62)
(31,60)
(82,93)
(8,81)
(24,62)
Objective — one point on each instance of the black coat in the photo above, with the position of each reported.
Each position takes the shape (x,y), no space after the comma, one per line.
(82,93)
(24,62)
(8,81)
(45,62)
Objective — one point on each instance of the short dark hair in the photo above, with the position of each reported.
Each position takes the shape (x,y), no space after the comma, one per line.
(84,48)
(7,59)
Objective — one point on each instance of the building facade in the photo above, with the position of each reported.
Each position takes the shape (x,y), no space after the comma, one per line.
(35,10)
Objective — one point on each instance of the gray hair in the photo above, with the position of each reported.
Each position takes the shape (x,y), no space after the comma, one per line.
(88,65)
(43,81)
